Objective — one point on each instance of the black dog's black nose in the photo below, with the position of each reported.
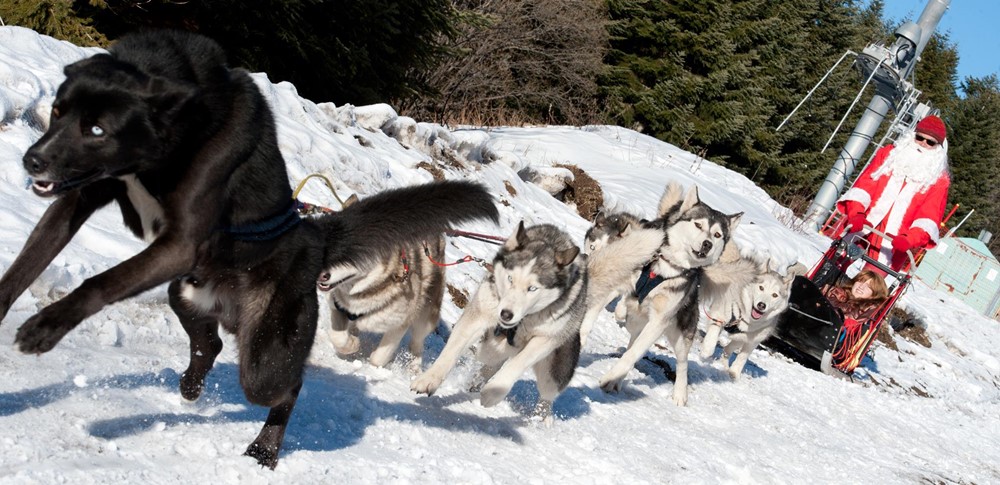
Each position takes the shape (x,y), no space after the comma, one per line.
(34,164)
(506,315)
(706,246)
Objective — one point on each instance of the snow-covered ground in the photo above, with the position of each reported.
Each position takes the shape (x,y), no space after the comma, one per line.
(103,406)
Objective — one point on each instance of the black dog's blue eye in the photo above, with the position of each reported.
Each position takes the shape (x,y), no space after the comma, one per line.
(96,130)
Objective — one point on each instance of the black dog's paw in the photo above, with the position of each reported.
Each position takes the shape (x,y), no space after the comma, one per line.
(191,385)
(264,454)
(41,333)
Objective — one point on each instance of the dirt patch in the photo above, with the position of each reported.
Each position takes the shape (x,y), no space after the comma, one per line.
(908,326)
(435,171)
(884,336)
(458,296)
(584,192)
(510,188)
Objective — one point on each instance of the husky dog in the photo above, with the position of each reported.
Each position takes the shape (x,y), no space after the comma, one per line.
(614,265)
(188,150)
(608,227)
(743,295)
(666,302)
(527,314)
(399,292)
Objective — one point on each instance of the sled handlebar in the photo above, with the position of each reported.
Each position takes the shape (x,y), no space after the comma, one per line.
(876,263)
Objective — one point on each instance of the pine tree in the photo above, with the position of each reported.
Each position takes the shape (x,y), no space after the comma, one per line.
(974,156)
(717,77)
(62,19)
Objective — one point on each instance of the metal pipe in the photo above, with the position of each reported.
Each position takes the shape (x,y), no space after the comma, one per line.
(814,89)
(869,123)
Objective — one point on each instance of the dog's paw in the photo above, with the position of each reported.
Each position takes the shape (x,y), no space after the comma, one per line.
(426,383)
(381,357)
(611,384)
(191,386)
(706,353)
(42,332)
(492,394)
(266,455)
(345,344)
(680,396)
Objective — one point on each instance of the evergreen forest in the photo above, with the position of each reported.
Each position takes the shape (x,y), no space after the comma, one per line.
(714,77)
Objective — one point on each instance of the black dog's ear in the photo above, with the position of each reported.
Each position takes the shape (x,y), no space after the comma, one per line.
(85,64)
(168,97)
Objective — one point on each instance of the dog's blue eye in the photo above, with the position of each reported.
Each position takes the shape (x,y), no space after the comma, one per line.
(96,130)
(532,288)
(510,279)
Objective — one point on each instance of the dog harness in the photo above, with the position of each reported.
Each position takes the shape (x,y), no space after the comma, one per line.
(268,229)
(648,280)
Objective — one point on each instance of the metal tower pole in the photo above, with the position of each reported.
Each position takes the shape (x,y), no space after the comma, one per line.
(890,68)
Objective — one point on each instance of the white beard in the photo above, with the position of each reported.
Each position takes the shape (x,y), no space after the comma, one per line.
(919,165)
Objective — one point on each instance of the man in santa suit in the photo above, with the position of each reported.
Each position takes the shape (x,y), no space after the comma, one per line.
(902,193)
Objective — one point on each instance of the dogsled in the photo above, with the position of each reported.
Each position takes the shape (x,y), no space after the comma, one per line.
(814,331)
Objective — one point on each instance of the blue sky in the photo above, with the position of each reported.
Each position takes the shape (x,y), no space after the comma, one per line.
(970,24)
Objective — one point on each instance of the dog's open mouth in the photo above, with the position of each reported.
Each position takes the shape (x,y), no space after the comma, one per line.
(324,283)
(44,188)
(756,314)
(49,188)
(700,254)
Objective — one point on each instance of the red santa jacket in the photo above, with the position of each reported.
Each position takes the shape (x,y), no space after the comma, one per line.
(906,211)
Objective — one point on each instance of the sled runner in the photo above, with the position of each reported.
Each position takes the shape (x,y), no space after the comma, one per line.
(814,332)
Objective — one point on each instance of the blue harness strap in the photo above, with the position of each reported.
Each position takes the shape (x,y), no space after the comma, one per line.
(267,229)
(646,282)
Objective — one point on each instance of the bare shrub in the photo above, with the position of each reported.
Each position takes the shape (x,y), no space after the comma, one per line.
(517,62)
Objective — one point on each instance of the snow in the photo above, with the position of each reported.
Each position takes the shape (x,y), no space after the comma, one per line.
(103,406)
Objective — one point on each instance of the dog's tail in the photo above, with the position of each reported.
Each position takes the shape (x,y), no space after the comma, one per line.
(671,200)
(729,278)
(379,225)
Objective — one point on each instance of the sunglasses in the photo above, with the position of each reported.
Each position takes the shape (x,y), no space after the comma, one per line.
(930,142)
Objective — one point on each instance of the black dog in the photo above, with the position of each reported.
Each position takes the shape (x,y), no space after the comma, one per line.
(188,149)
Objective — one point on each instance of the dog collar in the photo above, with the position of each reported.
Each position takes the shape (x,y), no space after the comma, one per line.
(267,229)
(506,332)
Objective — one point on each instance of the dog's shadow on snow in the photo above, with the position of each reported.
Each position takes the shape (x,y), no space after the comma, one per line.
(332,412)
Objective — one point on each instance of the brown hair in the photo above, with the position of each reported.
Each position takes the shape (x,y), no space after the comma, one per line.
(879,289)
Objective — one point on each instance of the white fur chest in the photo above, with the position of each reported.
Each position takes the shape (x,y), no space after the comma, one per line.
(149,209)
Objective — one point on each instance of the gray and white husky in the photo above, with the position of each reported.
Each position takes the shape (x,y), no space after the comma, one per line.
(527,314)
(666,303)
(389,296)
(745,295)
(609,227)
(618,249)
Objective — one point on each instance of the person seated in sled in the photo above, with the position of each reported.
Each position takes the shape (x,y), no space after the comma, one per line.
(859,297)
(902,193)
